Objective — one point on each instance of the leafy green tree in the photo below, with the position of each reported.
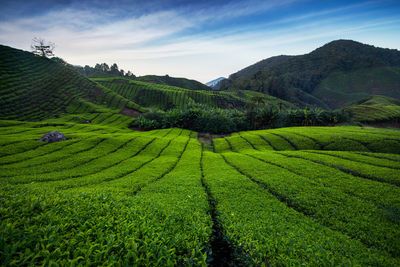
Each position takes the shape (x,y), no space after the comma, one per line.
(114,69)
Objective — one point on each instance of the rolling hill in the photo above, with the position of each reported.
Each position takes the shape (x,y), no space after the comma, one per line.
(332,76)
(35,88)
(166,97)
(376,108)
(172,81)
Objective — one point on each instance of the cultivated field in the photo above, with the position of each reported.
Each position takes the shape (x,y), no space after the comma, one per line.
(109,195)
(165,96)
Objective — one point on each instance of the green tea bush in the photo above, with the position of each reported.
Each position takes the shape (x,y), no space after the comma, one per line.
(116,197)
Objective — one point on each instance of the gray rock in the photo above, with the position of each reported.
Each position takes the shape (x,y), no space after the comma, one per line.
(53,136)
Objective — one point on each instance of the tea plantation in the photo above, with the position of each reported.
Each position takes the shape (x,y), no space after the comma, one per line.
(112,196)
(165,96)
(36,88)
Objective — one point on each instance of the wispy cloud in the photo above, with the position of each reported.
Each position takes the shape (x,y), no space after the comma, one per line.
(202,42)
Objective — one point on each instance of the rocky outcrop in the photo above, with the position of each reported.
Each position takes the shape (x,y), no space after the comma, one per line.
(53,136)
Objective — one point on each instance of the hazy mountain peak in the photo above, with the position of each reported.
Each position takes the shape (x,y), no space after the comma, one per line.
(213,83)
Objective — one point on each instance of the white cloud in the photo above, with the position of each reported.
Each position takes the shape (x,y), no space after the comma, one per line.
(158,43)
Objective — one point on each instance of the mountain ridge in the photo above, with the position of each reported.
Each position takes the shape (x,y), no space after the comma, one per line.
(295,78)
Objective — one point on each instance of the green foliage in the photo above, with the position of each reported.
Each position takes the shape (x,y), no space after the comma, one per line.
(314,196)
(197,118)
(93,229)
(342,138)
(343,88)
(266,228)
(103,70)
(166,97)
(112,196)
(202,118)
(340,212)
(332,76)
(376,109)
(35,88)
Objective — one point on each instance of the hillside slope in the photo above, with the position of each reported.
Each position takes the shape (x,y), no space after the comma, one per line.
(172,81)
(376,109)
(165,97)
(34,88)
(331,76)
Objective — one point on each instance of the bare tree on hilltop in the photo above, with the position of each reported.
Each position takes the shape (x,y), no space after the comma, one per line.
(42,48)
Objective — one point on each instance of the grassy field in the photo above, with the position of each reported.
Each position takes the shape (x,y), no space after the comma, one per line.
(109,195)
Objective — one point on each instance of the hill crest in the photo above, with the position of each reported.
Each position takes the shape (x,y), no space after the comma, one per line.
(298,78)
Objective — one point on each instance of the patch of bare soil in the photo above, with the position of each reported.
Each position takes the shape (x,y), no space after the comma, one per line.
(220,135)
(133,113)
(206,139)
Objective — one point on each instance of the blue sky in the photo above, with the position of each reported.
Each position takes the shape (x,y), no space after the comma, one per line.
(200,40)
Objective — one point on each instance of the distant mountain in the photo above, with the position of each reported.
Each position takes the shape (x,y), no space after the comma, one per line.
(178,82)
(213,84)
(332,76)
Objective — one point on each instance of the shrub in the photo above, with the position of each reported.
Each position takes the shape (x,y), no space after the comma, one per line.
(146,124)
(202,118)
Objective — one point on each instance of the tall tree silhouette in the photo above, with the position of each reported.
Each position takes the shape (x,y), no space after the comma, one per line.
(42,48)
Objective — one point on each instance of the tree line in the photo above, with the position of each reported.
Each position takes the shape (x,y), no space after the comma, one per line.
(104,68)
(203,118)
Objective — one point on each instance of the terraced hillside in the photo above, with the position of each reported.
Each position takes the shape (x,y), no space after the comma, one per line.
(165,96)
(35,88)
(108,195)
(178,82)
(376,109)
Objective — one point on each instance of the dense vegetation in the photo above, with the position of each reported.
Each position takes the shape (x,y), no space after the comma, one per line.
(332,76)
(202,118)
(108,195)
(101,70)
